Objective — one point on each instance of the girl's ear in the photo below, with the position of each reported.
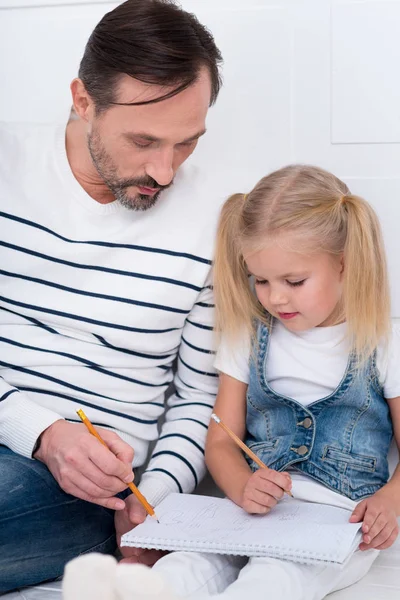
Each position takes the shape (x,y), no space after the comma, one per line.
(342,264)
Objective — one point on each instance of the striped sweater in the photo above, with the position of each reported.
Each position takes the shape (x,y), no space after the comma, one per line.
(102,308)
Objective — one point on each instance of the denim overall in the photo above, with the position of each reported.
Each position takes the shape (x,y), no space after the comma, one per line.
(342,440)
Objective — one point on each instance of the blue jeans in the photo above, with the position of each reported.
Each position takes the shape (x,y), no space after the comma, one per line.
(42,527)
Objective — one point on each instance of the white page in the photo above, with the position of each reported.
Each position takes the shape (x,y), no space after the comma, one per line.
(294,529)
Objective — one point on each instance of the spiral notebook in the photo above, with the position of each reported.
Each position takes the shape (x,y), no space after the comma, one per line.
(294,530)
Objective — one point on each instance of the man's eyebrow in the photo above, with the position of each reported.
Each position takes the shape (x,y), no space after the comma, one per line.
(150,138)
(196,136)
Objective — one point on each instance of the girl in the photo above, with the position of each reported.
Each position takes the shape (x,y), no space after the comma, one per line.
(309,380)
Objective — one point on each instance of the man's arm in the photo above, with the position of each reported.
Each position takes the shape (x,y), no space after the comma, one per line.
(177,463)
(21,420)
(78,462)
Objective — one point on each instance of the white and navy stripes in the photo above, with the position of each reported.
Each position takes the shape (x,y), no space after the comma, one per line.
(98,304)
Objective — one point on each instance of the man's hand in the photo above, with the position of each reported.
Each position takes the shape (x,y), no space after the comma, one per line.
(380,528)
(83,467)
(127,519)
(263,489)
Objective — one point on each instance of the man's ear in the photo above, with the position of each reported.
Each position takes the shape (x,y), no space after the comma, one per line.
(83,104)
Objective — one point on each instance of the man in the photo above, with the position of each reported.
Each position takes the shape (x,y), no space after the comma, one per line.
(105,259)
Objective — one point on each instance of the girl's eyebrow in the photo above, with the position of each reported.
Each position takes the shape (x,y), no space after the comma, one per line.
(284,276)
(288,275)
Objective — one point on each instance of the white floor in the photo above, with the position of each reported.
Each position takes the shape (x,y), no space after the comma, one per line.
(381,583)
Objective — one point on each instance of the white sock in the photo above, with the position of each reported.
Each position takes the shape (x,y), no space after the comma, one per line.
(90,577)
(138,582)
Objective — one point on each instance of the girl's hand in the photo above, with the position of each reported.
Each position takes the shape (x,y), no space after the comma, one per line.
(263,490)
(380,527)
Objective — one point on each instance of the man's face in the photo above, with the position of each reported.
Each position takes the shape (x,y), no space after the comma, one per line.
(137,150)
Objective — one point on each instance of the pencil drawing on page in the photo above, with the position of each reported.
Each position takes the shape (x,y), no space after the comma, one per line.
(205,521)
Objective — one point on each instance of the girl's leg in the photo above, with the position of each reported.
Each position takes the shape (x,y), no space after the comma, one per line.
(202,576)
(196,575)
(177,575)
(356,569)
(265,578)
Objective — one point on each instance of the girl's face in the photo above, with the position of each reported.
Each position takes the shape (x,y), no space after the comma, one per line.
(301,290)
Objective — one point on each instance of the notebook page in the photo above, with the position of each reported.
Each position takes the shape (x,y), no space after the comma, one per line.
(293,529)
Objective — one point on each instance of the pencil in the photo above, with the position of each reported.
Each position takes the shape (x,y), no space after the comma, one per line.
(242,445)
(131,486)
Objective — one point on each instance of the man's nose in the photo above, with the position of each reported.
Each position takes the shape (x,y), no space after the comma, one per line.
(160,167)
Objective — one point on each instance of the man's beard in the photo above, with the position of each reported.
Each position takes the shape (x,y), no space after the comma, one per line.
(107,170)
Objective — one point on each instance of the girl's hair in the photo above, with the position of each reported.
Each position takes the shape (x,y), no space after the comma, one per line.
(321,214)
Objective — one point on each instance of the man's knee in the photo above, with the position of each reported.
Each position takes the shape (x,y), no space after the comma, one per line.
(24,484)
(42,527)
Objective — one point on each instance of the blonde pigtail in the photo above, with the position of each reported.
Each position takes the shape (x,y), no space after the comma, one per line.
(366,285)
(231,286)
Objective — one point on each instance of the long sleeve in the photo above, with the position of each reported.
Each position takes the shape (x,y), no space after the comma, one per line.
(21,420)
(177,462)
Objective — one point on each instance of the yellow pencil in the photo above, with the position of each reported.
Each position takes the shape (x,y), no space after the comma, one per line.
(131,486)
(242,445)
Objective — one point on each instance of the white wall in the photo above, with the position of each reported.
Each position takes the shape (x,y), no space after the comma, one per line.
(305,80)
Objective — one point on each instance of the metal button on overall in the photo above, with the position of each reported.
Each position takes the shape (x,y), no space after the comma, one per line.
(302,450)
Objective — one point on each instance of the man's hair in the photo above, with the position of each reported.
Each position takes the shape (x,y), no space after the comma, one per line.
(153,41)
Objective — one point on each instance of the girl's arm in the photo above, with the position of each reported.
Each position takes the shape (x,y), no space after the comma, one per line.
(255,492)
(223,457)
(393,485)
(379,512)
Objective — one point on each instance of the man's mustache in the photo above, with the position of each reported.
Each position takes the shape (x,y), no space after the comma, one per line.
(147,182)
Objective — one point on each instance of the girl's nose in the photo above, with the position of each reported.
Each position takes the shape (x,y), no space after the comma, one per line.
(278,297)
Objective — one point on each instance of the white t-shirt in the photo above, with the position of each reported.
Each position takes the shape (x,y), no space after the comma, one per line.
(308,366)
